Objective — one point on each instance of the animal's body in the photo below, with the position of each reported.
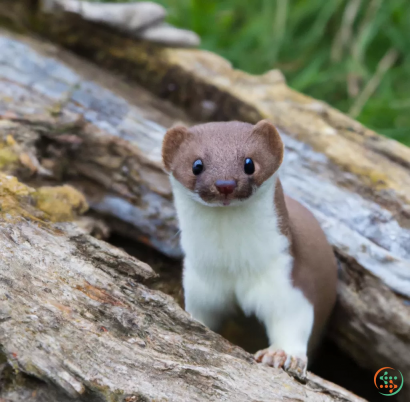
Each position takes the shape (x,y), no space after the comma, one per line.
(246,244)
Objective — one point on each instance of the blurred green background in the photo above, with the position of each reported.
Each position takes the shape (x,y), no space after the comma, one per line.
(353,54)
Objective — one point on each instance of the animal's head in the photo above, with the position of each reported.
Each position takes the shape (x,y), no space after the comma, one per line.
(222,163)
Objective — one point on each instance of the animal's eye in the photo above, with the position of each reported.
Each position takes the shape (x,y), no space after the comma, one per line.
(249,166)
(197,167)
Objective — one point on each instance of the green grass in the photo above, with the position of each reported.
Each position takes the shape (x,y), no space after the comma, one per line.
(302,38)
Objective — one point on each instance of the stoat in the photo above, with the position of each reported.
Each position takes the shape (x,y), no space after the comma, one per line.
(247,244)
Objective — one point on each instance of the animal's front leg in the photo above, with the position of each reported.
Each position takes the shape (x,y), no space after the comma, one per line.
(289,325)
(207,302)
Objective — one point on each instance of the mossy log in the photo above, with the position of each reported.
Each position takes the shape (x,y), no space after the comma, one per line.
(107,144)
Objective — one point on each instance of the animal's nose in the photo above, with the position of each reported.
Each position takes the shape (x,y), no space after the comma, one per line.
(225,186)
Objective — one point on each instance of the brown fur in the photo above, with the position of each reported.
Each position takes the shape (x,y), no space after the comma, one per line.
(281,210)
(314,268)
(173,139)
(223,148)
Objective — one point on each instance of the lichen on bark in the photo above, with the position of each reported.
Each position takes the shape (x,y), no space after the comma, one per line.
(56,204)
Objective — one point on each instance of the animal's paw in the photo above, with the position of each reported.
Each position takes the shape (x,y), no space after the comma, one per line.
(294,365)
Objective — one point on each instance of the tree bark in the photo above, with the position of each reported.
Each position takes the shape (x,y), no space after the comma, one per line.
(78,323)
(355,182)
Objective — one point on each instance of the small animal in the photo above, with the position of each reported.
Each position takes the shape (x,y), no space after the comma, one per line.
(246,244)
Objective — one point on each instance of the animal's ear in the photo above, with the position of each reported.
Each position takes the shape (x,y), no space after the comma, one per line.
(173,139)
(267,132)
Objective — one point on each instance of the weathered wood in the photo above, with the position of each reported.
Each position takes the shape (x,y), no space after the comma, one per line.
(78,323)
(356,182)
(82,131)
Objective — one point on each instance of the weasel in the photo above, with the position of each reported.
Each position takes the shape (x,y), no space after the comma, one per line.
(247,244)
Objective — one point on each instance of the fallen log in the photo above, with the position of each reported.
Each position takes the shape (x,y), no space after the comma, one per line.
(356,182)
(78,323)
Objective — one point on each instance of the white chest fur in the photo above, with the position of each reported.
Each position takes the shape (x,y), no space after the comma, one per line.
(237,255)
